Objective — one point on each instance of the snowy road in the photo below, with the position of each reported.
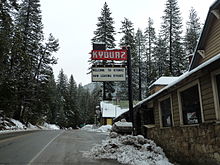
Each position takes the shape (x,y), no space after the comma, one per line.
(50,147)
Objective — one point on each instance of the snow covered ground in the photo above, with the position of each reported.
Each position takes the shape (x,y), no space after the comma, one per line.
(12,125)
(92,128)
(133,150)
(47,126)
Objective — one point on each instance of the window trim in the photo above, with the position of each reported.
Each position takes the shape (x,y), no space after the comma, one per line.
(171,109)
(215,93)
(191,84)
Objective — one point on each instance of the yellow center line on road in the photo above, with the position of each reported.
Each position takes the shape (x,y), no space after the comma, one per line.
(13,138)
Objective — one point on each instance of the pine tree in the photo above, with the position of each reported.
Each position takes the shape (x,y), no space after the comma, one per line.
(150,38)
(7,10)
(84,104)
(127,30)
(30,61)
(105,34)
(62,95)
(171,31)
(45,59)
(140,48)
(128,39)
(52,100)
(105,30)
(7,99)
(150,41)
(29,27)
(193,30)
(25,62)
(95,96)
(160,57)
(72,112)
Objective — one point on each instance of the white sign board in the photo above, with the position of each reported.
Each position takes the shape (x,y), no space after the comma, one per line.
(100,74)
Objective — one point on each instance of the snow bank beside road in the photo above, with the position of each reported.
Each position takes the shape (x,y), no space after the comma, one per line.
(11,125)
(50,126)
(88,127)
(91,128)
(18,124)
(133,150)
(104,128)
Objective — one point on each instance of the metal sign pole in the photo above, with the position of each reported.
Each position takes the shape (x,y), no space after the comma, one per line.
(130,94)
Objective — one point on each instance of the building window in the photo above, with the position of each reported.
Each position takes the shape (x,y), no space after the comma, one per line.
(191,110)
(148,116)
(166,115)
(216,92)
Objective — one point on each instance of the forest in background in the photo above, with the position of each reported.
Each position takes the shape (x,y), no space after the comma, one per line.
(28,89)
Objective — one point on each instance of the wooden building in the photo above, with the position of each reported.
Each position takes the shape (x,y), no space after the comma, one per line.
(110,111)
(184,116)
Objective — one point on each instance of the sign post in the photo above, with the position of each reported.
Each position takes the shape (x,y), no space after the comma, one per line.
(112,73)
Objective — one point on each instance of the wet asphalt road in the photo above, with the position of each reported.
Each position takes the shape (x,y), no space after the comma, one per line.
(49,148)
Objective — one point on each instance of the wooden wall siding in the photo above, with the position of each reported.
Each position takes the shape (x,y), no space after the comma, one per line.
(207,98)
(156,113)
(175,105)
(212,47)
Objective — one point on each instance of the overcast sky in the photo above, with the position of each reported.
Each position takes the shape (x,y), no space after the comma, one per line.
(74,21)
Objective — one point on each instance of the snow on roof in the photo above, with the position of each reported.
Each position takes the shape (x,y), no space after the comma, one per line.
(164,81)
(182,77)
(110,110)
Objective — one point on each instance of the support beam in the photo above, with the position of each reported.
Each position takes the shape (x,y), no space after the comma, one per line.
(216,13)
(201,53)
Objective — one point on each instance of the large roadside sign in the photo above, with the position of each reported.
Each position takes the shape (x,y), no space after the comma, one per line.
(108,73)
(109,55)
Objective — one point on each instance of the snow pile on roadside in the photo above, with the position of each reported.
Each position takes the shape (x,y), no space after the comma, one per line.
(133,150)
(47,126)
(104,128)
(88,127)
(30,126)
(18,124)
(10,125)
(91,128)
(123,124)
